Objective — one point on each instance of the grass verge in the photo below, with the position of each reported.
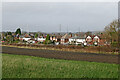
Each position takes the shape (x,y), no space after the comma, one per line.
(20,66)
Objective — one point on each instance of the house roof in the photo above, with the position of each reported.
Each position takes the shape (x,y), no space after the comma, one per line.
(58,36)
(66,36)
(89,36)
(96,37)
(26,36)
(78,37)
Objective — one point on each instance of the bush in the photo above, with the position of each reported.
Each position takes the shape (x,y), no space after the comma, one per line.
(114,44)
(47,42)
(16,41)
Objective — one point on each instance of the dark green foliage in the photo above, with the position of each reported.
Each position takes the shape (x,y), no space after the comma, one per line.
(9,33)
(3,39)
(36,35)
(16,41)
(48,37)
(47,41)
(18,31)
(10,38)
(5,34)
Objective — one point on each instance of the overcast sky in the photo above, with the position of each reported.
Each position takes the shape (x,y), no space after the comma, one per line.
(47,16)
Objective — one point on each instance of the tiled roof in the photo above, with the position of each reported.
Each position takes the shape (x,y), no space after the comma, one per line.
(78,37)
(66,36)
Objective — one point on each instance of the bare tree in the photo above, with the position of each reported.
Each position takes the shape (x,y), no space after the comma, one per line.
(111,32)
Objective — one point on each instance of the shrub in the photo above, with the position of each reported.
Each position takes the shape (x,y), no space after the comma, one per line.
(114,44)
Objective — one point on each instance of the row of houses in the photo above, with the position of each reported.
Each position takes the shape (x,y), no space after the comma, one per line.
(68,38)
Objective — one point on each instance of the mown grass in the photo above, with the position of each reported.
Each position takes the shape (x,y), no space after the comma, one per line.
(20,66)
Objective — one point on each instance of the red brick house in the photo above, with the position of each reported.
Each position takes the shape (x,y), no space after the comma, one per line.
(95,40)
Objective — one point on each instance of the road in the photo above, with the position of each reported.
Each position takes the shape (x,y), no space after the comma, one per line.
(92,57)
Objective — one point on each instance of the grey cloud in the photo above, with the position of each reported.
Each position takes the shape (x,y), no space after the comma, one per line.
(48,16)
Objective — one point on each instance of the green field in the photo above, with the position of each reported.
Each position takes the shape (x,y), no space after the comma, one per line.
(19,66)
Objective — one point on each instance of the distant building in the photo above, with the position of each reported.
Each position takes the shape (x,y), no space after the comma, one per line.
(95,40)
(89,38)
(58,38)
(65,38)
(26,39)
(53,38)
(41,39)
(77,40)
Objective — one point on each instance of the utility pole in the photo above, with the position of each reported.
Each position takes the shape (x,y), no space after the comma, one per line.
(60,28)
(67,28)
(28,28)
(79,31)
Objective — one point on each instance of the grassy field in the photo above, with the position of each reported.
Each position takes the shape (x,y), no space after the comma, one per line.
(19,66)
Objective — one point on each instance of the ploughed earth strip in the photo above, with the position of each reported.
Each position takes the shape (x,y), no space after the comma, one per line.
(92,57)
